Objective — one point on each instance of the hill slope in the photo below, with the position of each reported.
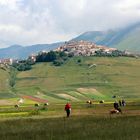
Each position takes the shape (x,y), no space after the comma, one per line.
(81,82)
(127,38)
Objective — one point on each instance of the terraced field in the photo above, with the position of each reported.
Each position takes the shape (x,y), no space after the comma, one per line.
(75,81)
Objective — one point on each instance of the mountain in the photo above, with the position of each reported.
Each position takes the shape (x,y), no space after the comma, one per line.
(98,37)
(127,38)
(17,51)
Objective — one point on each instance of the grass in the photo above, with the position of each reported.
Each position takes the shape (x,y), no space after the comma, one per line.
(95,122)
(75,83)
(112,76)
(79,128)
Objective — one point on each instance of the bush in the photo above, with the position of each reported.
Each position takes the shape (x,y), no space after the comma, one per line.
(79,61)
(58,62)
(23,67)
(12,78)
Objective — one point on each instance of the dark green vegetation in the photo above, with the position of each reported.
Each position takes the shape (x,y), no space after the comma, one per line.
(23,65)
(58,58)
(12,78)
(115,53)
(90,78)
(85,123)
(126,38)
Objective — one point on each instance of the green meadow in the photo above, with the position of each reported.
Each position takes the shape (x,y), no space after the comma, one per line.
(91,78)
(75,81)
(85,123)
(79,128)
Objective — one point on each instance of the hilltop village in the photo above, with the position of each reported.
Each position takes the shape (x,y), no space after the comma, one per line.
(63,52)
(84,48)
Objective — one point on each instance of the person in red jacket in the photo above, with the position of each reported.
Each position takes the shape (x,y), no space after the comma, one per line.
(68,109)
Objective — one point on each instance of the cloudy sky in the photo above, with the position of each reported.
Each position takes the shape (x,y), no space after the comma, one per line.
(27,22)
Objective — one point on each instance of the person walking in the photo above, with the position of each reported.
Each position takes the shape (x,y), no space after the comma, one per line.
(123,102)
(68,109)
(120,103)
(116,106)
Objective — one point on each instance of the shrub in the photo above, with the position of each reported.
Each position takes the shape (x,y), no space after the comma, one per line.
(58,62)
(23,67)
(12,78)
(79,61)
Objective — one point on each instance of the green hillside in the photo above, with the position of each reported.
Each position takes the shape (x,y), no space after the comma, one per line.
(98,37)
(130,42)
(126,38)
(5,90)
(78,81)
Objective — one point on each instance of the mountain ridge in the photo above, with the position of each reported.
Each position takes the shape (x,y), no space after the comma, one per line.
(22,52)
(127,38)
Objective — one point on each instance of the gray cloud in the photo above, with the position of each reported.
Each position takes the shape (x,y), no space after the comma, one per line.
(32,21)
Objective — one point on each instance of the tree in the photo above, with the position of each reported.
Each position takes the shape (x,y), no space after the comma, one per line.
(23,67)
(12,78)
(58,62)
(79,60)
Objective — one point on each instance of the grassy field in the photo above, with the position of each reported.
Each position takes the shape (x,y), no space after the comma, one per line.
(75,81)
(85,123)
(78,128)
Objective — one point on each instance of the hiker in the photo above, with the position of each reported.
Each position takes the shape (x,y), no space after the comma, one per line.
(116,106)
(123,102)
(68,109)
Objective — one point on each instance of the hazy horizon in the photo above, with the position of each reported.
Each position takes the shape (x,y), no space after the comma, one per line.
(27,22)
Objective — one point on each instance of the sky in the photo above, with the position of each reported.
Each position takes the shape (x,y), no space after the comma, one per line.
(28,22)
